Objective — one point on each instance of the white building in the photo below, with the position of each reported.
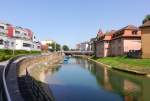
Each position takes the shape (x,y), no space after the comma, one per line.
(6,42)
(46,42)
(84,46)
(17,38)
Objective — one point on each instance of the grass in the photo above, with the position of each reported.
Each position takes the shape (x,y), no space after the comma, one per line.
(6,54)
(124,62)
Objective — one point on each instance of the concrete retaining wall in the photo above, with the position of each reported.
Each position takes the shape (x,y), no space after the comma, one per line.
(33,69)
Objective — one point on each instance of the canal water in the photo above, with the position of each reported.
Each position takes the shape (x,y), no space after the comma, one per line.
(80,80)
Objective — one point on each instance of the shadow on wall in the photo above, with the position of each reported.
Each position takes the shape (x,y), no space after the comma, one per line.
(33,90)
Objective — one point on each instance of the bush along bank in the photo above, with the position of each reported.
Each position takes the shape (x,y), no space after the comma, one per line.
(123,63)
(6,54)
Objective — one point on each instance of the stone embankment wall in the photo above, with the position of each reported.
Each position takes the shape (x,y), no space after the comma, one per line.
(38,63)
(33,69)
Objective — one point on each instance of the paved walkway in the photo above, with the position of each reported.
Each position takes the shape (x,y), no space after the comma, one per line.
(3,63)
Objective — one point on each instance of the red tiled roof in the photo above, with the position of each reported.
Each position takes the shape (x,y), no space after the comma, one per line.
(107,37)
(129,27)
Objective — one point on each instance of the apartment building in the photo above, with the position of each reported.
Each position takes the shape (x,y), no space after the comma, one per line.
(18,38)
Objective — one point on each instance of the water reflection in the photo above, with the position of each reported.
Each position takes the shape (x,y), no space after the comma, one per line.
(131,87)
(128,87)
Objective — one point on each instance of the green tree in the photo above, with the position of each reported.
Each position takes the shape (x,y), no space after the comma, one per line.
(65,48)
(58,47)
(54,46)
(147,18)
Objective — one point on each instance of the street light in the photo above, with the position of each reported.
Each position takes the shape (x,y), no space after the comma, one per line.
(55,46)
(14,48)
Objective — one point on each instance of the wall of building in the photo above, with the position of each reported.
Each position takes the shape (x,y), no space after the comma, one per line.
(84,46)
(107,48)
(99,49)
(23,45)
(145,42)
(117,47)
(132,44)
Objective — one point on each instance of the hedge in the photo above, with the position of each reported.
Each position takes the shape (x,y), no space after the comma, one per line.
(6,54)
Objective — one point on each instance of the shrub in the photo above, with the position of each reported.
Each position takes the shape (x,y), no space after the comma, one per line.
(6,54)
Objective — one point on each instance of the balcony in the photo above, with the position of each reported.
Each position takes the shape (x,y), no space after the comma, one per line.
(3,32)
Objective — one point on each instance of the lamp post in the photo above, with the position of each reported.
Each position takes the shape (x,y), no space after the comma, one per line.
(14,48)
(55,46)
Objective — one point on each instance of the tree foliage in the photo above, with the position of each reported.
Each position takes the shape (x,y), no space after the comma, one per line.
(65,48)
(147,18)
(54,46)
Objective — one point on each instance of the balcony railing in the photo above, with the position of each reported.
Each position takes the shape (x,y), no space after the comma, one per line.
(3,32)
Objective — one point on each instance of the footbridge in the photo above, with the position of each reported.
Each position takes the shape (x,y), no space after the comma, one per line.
(78,52)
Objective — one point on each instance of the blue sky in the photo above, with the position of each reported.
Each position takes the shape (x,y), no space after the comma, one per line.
(72,21)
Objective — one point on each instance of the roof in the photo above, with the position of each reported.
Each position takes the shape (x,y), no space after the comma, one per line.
(132,27)
(110,32)
(129,27)
(108,37)
(146,24)
(92,39)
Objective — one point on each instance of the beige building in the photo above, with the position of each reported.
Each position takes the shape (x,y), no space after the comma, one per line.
(120,42)
(145,31)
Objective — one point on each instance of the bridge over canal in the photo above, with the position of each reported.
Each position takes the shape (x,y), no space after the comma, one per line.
(78,52)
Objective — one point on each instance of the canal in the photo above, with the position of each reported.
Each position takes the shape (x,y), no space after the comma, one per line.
(81,80)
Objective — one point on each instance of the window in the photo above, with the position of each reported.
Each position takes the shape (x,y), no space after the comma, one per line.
(12,44)
(134,32)
(1,41)
(6,44)
(1,27)
(38,47)
(26,45)
(17,32)
(25,34)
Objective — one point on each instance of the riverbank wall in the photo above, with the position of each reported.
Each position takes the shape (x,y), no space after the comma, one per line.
(135,72)
(31,72)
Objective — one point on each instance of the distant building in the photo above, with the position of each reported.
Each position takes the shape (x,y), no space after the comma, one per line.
(145,31)
(92,44)
(46,43)
(77,47)
(84,46)
(18,38)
